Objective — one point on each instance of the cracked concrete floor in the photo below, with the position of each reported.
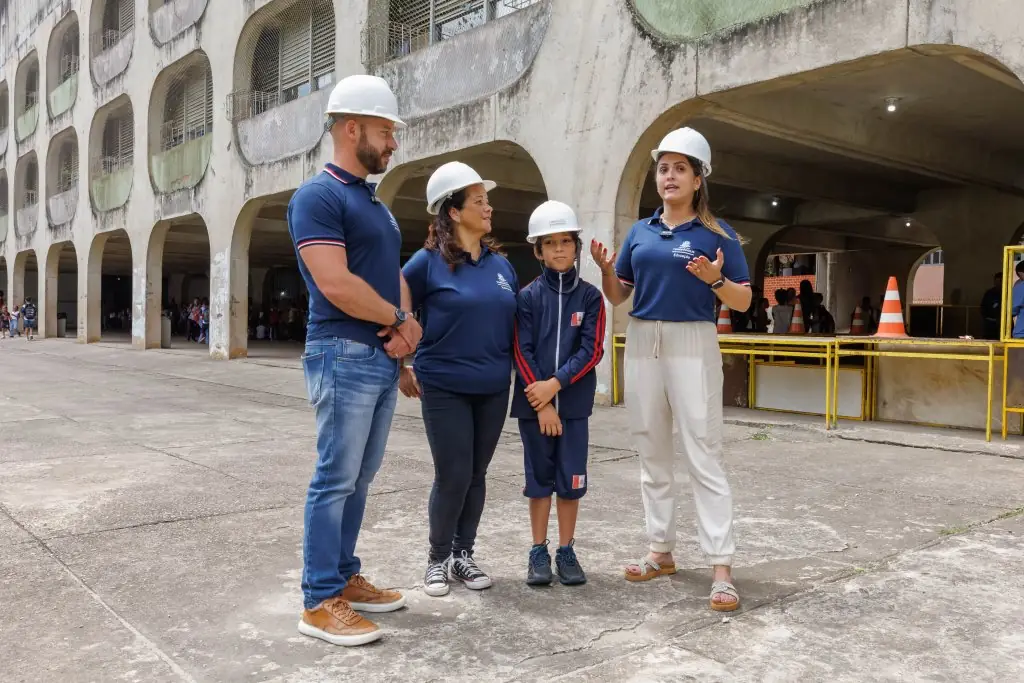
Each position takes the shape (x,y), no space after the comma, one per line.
(151,515)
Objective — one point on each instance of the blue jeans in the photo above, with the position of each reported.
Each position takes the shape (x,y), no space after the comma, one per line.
(353,389)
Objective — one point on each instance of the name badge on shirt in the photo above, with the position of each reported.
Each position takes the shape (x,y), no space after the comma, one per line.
(577,319)
(684,251)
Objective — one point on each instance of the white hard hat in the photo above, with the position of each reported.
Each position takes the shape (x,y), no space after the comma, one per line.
(689,142)
(550,218)
(450,178)
(364,95)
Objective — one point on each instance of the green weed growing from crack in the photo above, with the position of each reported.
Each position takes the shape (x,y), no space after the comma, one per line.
(953,531)
(761,436)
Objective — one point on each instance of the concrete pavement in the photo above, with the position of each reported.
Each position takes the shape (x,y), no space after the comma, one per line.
(151,516)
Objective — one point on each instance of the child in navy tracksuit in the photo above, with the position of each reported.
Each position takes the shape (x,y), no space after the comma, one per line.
(559,342)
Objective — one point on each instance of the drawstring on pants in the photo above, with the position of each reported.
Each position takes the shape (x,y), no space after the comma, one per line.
(657,339)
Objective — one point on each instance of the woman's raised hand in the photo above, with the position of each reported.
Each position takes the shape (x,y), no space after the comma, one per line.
(599,253)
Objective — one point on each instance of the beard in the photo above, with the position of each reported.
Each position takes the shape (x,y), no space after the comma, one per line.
(372,159)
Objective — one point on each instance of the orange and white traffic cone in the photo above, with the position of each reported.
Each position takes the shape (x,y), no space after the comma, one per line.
(796,325)
(857,327)
(890,323)
(724,320)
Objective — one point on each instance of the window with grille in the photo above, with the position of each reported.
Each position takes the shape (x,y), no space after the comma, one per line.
(32,87)
(31,183)
(67,174)
(69,53)
(292,58)
(3,109)
(118,142)
(188,112)
(3,196)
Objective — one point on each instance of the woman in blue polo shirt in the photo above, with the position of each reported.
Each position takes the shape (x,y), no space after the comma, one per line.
(464,291)
(676,264)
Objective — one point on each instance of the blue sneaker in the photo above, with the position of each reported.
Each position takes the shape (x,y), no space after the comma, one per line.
(570,573)
(539,571)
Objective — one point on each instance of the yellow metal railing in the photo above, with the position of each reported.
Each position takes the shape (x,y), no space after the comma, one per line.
(833,349)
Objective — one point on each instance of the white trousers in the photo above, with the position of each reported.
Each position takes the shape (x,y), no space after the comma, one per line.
(674,371)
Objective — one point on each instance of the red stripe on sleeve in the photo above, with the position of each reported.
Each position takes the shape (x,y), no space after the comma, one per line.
(598,346)
(524,367)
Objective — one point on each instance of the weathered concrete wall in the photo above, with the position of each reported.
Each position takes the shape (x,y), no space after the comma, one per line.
(293,128)
(167,21)
(26,220)
(25,125)
(183,166)
(111,191)
(470,66)
(62,206)
(62,98)
(112,62)
(3,229)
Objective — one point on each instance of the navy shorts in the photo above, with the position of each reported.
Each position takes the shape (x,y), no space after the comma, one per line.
(30,324)
(555,464)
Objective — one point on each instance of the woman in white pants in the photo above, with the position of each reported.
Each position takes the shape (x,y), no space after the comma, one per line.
(675,264)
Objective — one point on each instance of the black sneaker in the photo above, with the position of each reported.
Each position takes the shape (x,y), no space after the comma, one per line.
(435,582)
(538,573)
(464,568)
(570,573)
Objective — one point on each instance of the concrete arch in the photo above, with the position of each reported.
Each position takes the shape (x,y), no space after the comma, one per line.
(50,299)
(26,195)
(190,251)
(5,115)
(62,177)
(27,88)
(238,308)
(521,187)
(5,278)
(91,283)
(25,276)
(5,208)
(111,38)
(62,62)
(297,98)
(181,123)
(112,154)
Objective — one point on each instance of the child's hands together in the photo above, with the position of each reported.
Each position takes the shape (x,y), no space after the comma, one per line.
(542,393)
(550,425)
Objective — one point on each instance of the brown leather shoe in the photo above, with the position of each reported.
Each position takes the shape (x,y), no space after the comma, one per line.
(365,597)
(334,621)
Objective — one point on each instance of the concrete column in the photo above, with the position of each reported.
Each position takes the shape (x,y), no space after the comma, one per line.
(16,286)
(49,275)
(147,288)
(90,291)
(821,274)
(221,282)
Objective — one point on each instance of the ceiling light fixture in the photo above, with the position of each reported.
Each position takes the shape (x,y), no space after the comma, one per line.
(908,224)
(775,201)
(890,104)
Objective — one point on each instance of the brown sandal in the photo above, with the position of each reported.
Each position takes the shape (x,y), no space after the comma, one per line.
(644,575)
(724,588)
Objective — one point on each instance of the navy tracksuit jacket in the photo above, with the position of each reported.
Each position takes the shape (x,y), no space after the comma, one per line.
(560,325)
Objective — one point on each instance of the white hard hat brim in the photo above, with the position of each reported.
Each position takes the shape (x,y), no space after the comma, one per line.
(551,231)
(399,123)
(432,209)
(655,153)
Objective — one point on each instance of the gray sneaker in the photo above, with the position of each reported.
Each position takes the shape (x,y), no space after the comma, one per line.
(435,582)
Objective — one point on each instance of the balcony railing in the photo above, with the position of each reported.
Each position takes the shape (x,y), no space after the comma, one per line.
(244,104)
(385,40)
(3,226)
(112,164)
(63,97)
(111,52)
(112,181)
(692,19)
(26,123)
(107,39)
(174,133)
(31,197)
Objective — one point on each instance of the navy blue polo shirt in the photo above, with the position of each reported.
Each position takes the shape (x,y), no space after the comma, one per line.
(468,317)
(655,266)
(340,209)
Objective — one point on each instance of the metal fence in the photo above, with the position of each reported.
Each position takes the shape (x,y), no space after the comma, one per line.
(106,39)
(111,164)
(175,133)
(411,25)
(692,19)
(244,104)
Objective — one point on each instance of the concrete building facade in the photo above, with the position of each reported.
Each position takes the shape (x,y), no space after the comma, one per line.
(150,147)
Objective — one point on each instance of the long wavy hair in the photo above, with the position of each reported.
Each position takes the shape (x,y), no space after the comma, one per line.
(701,199)
(441,235)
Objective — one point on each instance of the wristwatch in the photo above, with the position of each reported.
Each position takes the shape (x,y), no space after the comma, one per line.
(718,284)
(400,317)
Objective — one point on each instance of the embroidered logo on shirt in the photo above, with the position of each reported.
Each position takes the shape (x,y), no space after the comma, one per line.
(577,319)
(503,283)
(579,481)
(394,223)
(683,251)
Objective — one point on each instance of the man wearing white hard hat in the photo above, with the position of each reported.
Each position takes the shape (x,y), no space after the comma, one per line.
(348,246)
(559,343)
(464,290)
(676,264)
